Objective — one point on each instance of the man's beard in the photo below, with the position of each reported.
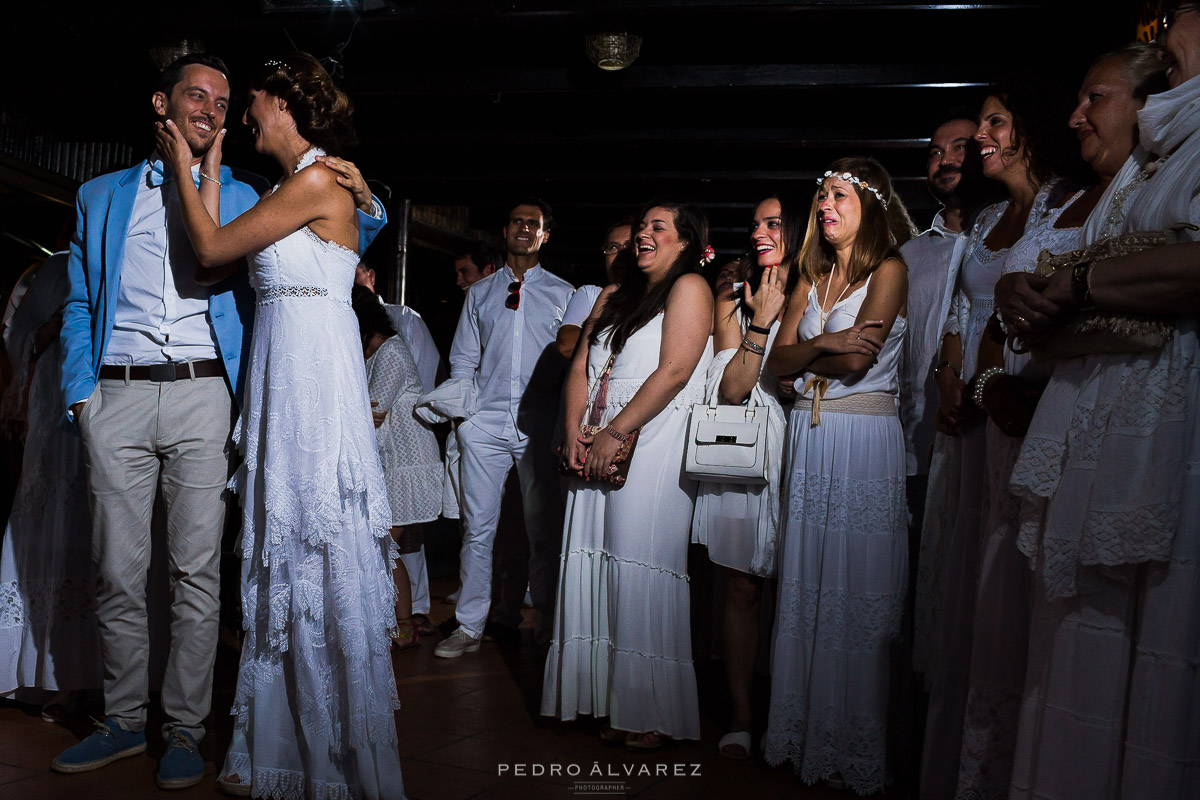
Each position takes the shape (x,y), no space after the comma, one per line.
(947,197)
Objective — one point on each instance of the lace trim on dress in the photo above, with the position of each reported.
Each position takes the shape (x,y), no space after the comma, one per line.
(339,247)
(46,602)
(273,294)
(836,618)
(821,742)
(622,390)
(869,507)
(280,784)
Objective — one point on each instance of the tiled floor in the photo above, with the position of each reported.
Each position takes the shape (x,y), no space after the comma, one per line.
(469,728)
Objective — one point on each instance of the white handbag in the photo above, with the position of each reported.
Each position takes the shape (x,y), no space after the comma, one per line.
(727,444)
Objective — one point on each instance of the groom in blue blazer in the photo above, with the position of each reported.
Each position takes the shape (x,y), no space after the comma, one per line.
(152,377)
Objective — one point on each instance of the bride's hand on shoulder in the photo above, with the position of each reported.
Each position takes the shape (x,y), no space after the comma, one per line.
(351,179)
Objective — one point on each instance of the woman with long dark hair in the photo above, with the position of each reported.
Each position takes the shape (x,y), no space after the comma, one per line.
(843,554)
(621,646)
(316,692)
(738,522)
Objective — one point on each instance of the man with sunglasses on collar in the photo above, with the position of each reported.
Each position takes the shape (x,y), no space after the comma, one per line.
(504,347)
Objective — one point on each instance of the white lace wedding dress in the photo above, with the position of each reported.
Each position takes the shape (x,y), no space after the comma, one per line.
(315,693)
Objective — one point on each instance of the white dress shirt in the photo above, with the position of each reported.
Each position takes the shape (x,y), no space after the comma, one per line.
(416,335)
(509,354)
(928,257)
(161,313)
(581,305)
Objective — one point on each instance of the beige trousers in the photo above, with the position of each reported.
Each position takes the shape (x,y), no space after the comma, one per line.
(136,434)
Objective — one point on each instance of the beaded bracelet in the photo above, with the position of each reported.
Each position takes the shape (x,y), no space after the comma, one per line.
(981,382)
(210,178)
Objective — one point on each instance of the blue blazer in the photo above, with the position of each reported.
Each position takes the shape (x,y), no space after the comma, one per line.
(104,206)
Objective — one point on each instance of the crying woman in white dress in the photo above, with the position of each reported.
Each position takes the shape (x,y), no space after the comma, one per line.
(316,693)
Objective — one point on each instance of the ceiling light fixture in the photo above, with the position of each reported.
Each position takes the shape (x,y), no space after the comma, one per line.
(612,51)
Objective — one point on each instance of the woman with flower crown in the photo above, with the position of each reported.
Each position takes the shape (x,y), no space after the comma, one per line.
(316,694)
(621,644)
(843,554)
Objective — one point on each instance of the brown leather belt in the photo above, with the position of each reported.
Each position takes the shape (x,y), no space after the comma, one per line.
(164,373)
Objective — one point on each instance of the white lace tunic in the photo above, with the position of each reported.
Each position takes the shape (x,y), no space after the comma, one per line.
(1109,481)
(316,692)
(843,566)
(412,465)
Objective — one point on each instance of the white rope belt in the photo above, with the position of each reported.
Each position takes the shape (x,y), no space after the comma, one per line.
(878,404)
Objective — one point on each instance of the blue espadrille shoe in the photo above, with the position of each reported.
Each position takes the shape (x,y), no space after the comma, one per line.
(181,765)
(108,744)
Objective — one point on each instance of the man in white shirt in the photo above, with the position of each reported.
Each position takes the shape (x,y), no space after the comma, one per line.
(504,346)
(474,264)
(953,178)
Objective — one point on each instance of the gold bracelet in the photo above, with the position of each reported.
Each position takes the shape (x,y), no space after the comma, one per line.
(616,434)
(209,178)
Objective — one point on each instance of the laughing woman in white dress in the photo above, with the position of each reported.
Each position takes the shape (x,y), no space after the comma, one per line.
(739,523)
(621,644)
(843,558)
(316,693)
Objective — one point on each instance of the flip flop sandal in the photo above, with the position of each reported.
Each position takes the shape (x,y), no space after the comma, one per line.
(406,635)
(612,737)
(423,625)
(644,742)
(735,745)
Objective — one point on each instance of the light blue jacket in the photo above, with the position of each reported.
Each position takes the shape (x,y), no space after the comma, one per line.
(104,206)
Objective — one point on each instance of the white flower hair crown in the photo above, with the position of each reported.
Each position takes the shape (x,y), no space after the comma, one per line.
(849,178)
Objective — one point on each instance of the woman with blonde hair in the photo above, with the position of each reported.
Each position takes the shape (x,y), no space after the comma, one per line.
(843,556)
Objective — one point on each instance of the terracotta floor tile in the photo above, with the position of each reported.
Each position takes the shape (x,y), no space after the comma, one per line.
(428,781)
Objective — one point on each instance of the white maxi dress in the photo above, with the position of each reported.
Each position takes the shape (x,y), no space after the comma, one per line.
(621,644)
(316,694)
(843,567)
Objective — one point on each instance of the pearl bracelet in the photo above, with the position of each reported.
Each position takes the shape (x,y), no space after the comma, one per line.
(981,382)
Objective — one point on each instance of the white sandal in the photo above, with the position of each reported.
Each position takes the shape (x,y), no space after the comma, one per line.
(735,739)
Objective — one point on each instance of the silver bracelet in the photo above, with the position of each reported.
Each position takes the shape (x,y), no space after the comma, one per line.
(757,349)
(209,178)
(981,382)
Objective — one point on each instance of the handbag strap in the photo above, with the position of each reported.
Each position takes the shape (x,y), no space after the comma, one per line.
(598,393)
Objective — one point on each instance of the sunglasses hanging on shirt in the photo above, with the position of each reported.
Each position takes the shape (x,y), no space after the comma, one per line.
(513,301)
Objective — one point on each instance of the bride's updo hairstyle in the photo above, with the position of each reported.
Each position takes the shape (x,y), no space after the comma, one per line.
(322,111)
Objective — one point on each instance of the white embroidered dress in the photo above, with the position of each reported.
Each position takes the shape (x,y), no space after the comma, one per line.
(315,693)
(843,566)
(1109,481)
(621,643)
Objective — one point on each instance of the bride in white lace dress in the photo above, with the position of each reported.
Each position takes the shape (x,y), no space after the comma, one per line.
(316,693)
(843,553)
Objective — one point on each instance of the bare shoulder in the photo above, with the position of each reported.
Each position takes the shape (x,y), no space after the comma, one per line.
(690,288)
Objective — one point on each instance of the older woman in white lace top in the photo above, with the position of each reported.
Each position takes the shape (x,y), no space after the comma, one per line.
(1109,482)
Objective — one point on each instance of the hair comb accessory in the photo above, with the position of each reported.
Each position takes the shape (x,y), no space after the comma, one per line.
(707,256)
(849,178)
(275,63)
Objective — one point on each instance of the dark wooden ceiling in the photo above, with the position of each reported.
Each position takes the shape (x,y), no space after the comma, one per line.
(473,103)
